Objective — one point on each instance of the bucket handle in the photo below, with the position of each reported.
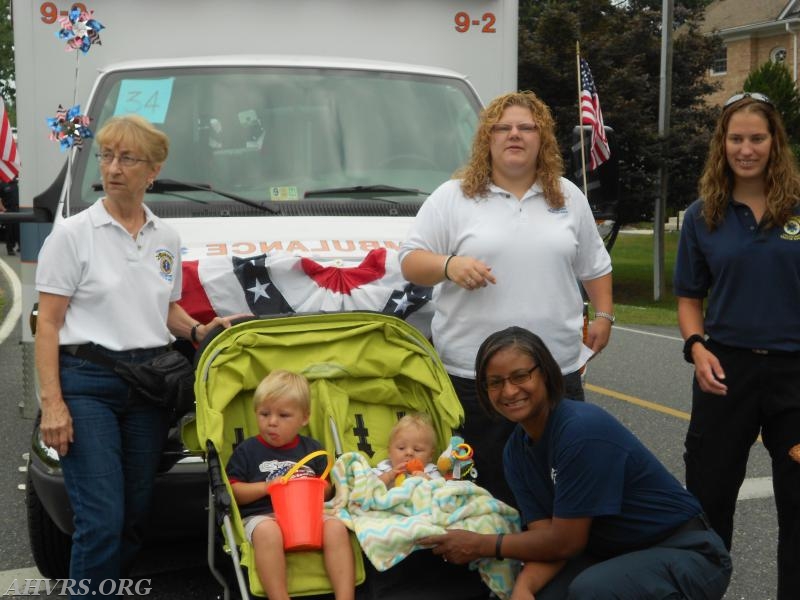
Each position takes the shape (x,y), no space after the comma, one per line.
(285,479)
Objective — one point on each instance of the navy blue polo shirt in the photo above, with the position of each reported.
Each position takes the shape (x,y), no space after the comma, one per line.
(750,275)
(587,464)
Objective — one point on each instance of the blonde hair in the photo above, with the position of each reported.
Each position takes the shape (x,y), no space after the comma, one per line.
(781,178)
(477,174)
(283,384)
(139,133)
(418,421)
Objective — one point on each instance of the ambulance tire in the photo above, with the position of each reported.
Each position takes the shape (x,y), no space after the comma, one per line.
(50,546)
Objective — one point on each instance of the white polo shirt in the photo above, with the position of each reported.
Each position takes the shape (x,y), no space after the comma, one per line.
(537,253)
(119,288)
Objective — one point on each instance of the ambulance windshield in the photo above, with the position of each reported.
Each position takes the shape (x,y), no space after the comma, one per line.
(274,135)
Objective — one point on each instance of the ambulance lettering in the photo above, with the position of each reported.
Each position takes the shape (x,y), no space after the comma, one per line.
(322,248)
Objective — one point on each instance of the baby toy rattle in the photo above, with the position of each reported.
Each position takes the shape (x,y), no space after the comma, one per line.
(456,461)
(413,466)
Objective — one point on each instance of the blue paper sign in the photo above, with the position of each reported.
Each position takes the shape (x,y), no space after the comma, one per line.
(146,97)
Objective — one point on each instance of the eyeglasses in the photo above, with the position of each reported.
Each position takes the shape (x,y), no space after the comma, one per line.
(505,128)
(106,158)
(518,378)
(754,95)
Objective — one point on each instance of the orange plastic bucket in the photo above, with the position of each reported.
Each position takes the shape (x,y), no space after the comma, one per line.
(298,505)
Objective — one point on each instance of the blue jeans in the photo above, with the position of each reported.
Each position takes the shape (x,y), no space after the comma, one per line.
(110,467)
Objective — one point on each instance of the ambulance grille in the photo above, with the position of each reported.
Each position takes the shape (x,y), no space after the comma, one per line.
(301,208)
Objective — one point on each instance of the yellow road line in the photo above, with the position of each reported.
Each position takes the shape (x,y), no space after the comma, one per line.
(638,401)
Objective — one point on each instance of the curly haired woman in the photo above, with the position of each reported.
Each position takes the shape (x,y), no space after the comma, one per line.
(508,240)
(740,253)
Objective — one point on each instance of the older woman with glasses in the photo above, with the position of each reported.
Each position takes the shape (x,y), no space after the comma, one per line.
(508,241)
(109,278)
(605,519)
(739,255)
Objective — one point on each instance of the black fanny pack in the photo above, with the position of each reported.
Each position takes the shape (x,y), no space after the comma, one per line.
(166,380)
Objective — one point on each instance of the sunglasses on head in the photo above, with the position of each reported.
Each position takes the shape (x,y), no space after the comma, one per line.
(754,95)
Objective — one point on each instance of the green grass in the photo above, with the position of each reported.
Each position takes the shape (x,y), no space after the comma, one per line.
(632,260)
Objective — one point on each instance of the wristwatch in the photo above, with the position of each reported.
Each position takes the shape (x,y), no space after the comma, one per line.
(693,339)
(605,315)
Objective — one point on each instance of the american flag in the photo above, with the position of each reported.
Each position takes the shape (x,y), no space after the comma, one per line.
(592,115)
(282,283)
(9,167)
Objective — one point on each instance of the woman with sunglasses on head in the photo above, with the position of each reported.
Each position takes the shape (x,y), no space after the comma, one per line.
(739,254)
(109,279)
(605,519)
(508,240)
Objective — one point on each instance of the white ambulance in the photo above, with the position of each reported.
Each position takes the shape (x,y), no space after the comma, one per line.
(298,128)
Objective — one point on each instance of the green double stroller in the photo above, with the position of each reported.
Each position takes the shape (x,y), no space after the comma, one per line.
(366,370)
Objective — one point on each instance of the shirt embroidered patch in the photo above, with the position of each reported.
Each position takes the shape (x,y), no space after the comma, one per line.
(791,230)
(166,264)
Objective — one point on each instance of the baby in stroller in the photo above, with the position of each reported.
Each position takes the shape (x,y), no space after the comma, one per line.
(412,443)
(282,403)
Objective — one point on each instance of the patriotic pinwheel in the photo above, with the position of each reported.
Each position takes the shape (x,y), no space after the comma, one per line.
(79,30)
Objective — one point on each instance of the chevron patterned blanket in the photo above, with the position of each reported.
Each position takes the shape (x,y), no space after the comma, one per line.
(387,522)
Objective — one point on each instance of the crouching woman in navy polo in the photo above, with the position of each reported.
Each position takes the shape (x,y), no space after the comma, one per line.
(605,519)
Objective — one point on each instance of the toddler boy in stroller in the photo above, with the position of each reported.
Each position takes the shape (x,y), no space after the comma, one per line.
(282,403)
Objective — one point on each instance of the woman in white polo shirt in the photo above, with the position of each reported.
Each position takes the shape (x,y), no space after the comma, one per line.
(109,276)
(508,240)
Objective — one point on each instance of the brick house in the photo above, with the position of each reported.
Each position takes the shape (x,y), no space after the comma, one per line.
(753,32)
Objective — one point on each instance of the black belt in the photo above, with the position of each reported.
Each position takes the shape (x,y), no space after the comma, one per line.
(76,349)
(103,356)
(766,352)
(759,351)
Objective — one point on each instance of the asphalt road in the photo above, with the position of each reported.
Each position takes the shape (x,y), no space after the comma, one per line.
(640,378)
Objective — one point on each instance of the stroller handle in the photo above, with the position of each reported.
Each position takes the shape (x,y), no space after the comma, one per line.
(304,460)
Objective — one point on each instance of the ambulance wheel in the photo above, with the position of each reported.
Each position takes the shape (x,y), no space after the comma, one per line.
(49,545)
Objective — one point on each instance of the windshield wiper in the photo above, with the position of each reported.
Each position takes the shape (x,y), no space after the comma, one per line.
(364,189)
(172,185)
(165,186)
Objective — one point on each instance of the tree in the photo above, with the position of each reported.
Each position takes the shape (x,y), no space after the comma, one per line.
(622,42)
(775,80)
(7,90)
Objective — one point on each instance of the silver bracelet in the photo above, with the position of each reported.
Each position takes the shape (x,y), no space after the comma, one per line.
(605,315)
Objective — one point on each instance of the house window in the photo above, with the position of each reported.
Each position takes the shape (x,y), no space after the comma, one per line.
(778,55)
(719,63)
